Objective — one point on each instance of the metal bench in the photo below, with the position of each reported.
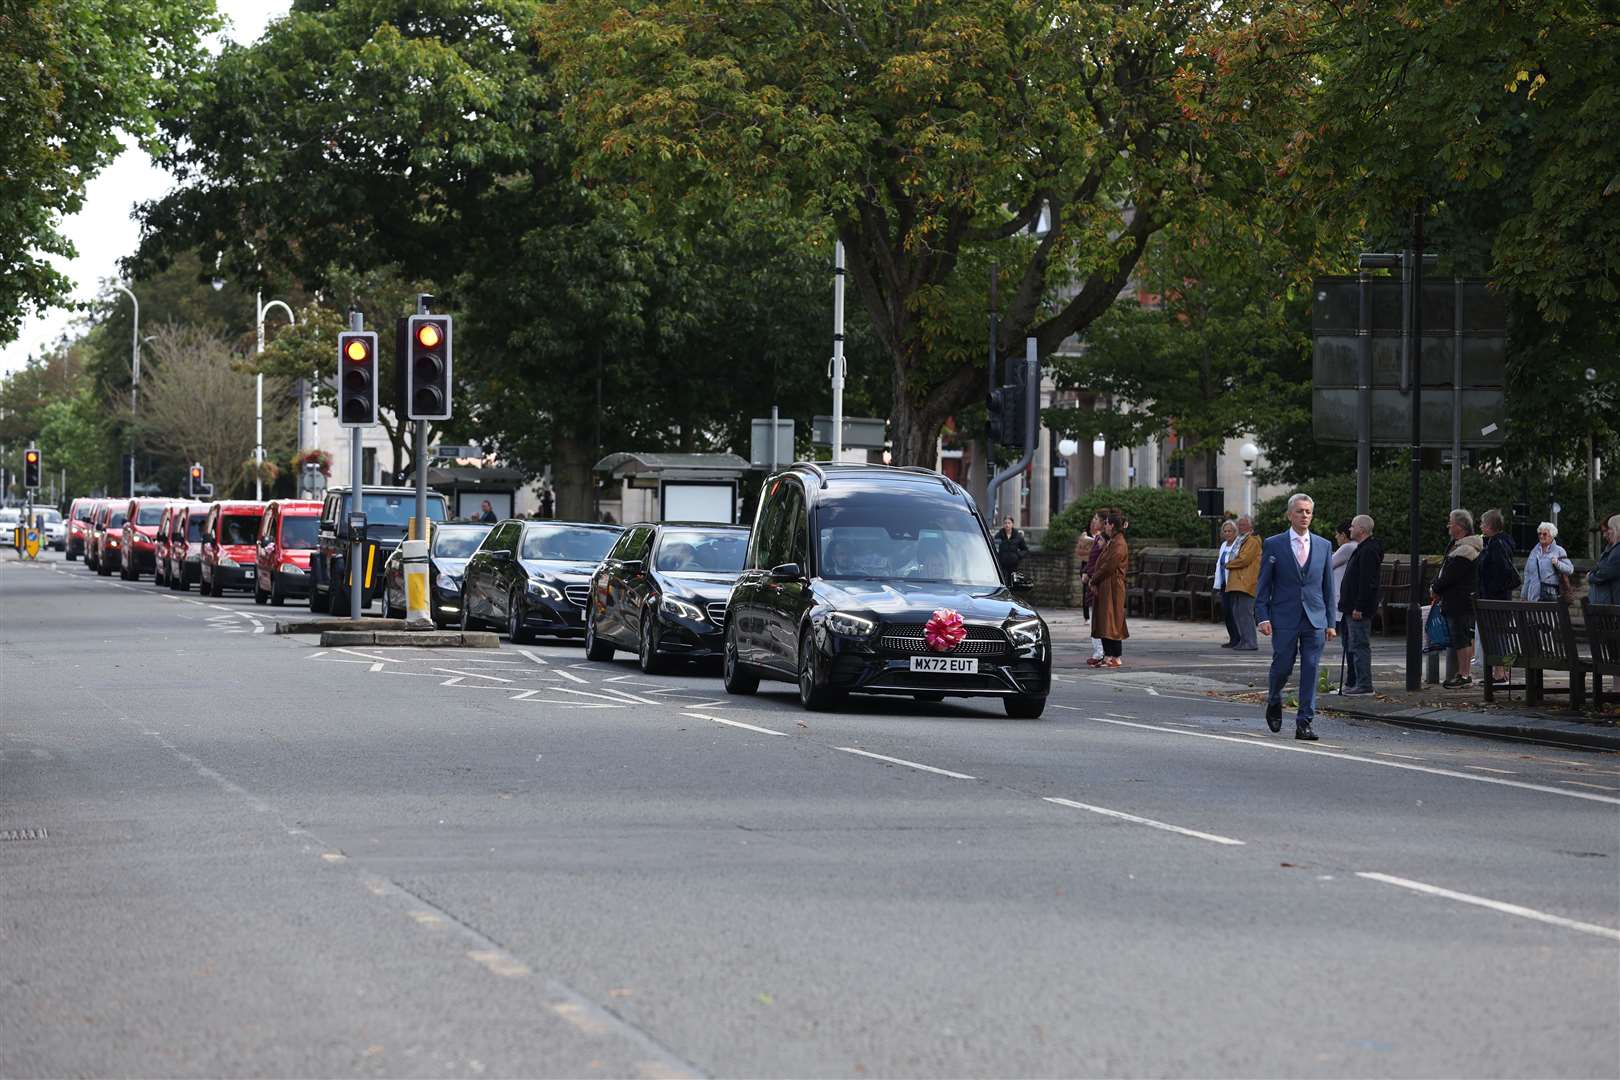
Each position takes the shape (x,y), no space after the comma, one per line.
(1537,636)
(1603,644)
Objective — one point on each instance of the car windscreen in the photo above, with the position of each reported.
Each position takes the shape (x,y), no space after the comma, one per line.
(194,527)
(701,551)
(82,513)
(300,531)
(891,534)
(567,543)
(149,515)
(458,543)
(394,512)
(51,516)
(115,520)
(238,528)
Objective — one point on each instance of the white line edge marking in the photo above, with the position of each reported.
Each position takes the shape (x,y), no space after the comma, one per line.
(1211,837)
(1350,757)
(1494,905)
(907,764)
(734,723)
(536,659)
(575,678)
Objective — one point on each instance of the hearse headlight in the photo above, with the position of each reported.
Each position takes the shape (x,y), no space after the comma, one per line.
(545,592)
(1025,633)
(681,609)
(842,622)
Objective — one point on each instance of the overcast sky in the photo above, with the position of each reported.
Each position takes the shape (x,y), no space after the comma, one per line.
(105,231)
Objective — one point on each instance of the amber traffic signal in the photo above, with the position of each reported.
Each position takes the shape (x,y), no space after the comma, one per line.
(32,465)
(427,367)
(357,378)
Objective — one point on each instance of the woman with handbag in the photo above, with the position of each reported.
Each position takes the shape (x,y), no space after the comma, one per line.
(1453,590)
(1108,609)
(1547,569)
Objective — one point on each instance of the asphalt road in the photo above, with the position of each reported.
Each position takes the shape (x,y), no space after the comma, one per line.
(227,852)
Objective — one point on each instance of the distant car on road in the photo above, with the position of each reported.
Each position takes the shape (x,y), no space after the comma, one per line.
(531,577)
(78,527)
(184,552)
(106,537)
(229,535)
(453,544)
(52,527)
(287,538)
(662,592)
(388,512)
(140,537)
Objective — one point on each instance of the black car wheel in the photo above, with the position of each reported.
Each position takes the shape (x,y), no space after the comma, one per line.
(1024,706)
(647,654)
(319,602)
(515,616)
(814,693)
(739,679)
(387,602)
(595,647)
(277,597)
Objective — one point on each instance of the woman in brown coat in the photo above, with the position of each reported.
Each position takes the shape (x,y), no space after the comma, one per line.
(1108,579)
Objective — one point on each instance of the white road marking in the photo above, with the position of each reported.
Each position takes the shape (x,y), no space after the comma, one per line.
(1270,745)
(378,666)
(537,659)
(1580,783)
(528,695)
(903,761)
(472,674)
(1494,905)
(499,963)
(1486,768)
(586,693)
(574,678)
(734,723)
(368,656)
(1150,690)
(1211,837)
(616,692)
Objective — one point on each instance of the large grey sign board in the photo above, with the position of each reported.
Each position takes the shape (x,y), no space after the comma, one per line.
(759,450)
(860,432)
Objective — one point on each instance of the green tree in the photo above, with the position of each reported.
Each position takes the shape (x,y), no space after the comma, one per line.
(917,134)
(77,73)
(74,436)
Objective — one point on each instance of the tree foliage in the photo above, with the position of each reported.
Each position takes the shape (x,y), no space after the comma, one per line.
(198,405)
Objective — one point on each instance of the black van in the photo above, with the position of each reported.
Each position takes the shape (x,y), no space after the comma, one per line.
(869,579)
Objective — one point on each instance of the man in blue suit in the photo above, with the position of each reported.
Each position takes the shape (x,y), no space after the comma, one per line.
(1296,607)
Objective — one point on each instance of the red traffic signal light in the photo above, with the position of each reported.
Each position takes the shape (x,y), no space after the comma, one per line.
(357,378)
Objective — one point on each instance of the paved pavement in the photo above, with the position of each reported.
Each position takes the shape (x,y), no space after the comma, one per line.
(234,853)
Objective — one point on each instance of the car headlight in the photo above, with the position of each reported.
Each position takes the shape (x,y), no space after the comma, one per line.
(548,592)
(449,586)
(292,568)
(680,608)
(842,622)
(1027,632)
(111,542)
(226,560)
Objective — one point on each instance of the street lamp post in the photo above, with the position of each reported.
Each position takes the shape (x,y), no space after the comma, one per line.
(258,389)
(1250,454)
(134,380)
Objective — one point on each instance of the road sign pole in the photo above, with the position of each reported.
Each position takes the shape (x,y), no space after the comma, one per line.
(837,365)
(1364,396)
(421,450)
(1414,609)
(357,501)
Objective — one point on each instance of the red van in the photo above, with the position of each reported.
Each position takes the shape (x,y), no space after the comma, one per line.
(106,536)
(78,527)
(286,540)
(230,536)
(185,545)
(140,537)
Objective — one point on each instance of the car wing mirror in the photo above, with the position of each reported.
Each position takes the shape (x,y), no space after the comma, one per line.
(788,571)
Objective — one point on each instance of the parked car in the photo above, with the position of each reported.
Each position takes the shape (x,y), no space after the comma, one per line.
(453,544)
(862,578)
(52,527)
(661,592)
(530,577)
(229,534)
(388,512)
(140,537)
(108,536)
(186,521)
(287,538)
(97,506)
(78,521)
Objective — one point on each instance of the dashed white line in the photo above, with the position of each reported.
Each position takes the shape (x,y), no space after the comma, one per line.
(903,761)
(734,723)
(1149,822)
(1494,905)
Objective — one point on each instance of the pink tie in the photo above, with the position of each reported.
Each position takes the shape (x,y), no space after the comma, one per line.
(1301,551)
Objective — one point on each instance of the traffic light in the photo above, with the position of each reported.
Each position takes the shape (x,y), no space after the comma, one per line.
(1008,407)
(357,378)
(32,466)
(426,393)
(194,481)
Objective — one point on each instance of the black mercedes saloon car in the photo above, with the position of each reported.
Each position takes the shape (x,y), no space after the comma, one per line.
(662,590)
(869,579)
(453,544)
(532,577)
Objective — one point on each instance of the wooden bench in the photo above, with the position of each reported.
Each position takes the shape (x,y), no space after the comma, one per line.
(1162,580)
(1603,644)
(1197,583)
(1537,636)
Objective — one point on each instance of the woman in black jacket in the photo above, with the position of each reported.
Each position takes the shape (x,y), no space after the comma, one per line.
(1454,591)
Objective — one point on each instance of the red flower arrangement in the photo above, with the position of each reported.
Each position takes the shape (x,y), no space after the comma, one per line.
(944,630)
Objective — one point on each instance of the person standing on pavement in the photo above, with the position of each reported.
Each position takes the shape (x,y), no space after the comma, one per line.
(1604,580)
(1088,580)
(1344,548)
(1242,579)
(1295,603)
(1497,576)
(1108,610)
(1545,565)
(1358,599)
(1229,542)
(1454,589)
(1084,545)
(1010,547)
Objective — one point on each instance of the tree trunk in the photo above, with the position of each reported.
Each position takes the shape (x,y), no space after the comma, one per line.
(572,477)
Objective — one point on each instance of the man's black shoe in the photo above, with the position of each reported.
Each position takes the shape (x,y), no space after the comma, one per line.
(1227,644)
(1274,715)
(1304,733)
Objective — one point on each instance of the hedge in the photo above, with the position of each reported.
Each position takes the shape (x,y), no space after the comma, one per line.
(1158,512)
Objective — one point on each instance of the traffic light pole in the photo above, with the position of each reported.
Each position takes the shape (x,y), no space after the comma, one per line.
(1032,424)
(421,449)
(357,499)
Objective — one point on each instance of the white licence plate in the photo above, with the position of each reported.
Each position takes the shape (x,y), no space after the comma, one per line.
(946,665)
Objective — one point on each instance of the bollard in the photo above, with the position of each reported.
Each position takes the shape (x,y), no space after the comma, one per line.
(418,610)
